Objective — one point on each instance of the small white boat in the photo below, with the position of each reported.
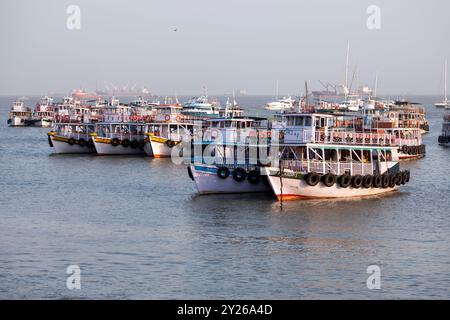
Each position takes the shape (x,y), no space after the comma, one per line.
(119,138)
(285,103)
(20,115)
(71,138)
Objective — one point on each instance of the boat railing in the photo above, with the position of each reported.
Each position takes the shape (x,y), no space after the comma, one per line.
(407,142)
(323,167)
(122,136)
(353,138)
(73,135)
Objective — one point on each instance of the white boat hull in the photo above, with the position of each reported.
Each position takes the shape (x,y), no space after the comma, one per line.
(107,148)
(18,121)
(64,147)
(160,150)
(299,189)
(208,182)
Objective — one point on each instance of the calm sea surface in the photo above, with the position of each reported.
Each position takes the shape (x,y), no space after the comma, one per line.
(138,230)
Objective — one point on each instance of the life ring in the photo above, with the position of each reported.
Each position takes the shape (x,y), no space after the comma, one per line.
(189,170)
(178,118)
(368,181)
(329,179)
(254,177)
(405,149)
(167,117)
(345,180)
(357,181)
(71,141)
(223,172)
(312,179)
(239,174)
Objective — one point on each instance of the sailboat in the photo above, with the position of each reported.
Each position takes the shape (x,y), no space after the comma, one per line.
(446,102)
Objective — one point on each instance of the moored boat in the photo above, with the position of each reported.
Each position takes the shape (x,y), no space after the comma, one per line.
(444,138)
(319,162)
(20,115)
(119,138)
(71,138)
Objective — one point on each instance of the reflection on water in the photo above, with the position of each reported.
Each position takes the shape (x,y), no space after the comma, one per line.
(138,229)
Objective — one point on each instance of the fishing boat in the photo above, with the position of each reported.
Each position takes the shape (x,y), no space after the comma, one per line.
(71,138)
(20,115)
(444,138)
(317,161)
(445,103)
(231,164)
(119,138)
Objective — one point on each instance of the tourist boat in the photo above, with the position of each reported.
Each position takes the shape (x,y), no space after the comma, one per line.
(408,137)
(410,115)
(44,113)
(71,138)
(20,115)
(445,103)
(232,164)
(317,161)
(444,138)
(167,129)
(119,138)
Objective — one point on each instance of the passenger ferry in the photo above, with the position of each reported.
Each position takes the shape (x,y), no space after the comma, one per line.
(444,138)
(232,164)
(319,162)
(20,115)
(71,138)
(408,138)
(119,138)
(43,114)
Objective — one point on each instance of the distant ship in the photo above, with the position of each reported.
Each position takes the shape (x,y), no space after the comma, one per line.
(80,94)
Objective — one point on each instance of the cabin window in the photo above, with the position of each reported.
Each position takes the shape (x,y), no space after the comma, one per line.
(322,122)
(308,121)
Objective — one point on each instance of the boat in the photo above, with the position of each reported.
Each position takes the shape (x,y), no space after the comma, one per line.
(225,160)
(445,103)
(200,106)
(119,138)
(20,115)
(444,138)
(71,138)
(44,113)
(285,103)
(167,129)
(317,162)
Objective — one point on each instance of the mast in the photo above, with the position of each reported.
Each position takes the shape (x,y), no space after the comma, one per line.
(346,70)
(376,85)
(445,82)
(276,91)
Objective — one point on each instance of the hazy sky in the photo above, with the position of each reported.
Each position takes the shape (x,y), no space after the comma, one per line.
(222,44)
